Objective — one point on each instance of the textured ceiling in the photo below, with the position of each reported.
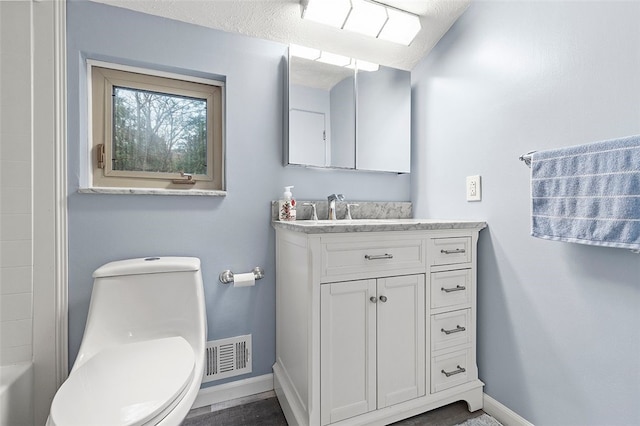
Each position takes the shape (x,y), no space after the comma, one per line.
(279,20)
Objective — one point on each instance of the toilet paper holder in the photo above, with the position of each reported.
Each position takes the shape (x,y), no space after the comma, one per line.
(226,277)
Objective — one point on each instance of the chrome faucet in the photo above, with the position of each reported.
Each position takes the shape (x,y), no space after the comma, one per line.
(332,204)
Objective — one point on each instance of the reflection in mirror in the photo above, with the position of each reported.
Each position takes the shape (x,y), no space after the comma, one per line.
(322,130)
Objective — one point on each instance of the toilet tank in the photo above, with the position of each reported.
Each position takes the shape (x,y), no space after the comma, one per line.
(145,298)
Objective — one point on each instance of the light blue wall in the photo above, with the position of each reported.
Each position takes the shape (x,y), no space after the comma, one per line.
(233,232)
(558,323)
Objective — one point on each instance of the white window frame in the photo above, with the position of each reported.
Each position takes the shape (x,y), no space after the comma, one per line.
(101,77)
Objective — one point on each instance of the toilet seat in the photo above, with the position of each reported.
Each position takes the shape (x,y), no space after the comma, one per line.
(126,385)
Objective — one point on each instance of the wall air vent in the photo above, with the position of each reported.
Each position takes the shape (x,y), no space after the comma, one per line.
(227,358)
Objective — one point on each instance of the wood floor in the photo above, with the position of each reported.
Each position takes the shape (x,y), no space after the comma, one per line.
(264,409)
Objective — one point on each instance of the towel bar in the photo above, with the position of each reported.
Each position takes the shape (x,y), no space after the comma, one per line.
(526,158)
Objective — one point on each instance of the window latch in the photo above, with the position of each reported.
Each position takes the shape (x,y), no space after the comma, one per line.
(187,179)
(100,155)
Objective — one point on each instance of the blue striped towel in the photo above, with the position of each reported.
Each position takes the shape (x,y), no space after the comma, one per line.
(588,194)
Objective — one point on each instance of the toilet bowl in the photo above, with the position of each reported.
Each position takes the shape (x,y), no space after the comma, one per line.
(142,354)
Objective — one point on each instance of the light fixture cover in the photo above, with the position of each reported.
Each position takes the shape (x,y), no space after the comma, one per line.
(401,27)
(328,12)
(366,18)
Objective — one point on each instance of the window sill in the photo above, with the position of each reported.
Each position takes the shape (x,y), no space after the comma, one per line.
(153,191)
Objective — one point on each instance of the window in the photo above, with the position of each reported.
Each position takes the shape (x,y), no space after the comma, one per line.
(153,131)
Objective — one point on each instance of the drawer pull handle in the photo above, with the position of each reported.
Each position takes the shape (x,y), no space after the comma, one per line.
(373,299)
(456,288)
(378,256)
(451,373)
(458,329)
(383,299)
(456,251)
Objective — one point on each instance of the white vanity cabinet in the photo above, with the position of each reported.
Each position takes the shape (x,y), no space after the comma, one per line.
(375,326)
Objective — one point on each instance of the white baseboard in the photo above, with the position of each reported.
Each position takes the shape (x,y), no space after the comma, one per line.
(233,390)
(502,413)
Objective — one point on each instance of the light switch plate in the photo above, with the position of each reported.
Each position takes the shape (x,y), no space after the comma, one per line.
(474,188)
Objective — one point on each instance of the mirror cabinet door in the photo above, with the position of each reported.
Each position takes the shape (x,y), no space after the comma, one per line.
(384,120)
(337,119)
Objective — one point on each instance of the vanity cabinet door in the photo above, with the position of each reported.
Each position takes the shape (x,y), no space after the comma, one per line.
(347,349)
(401,339)
(372,343)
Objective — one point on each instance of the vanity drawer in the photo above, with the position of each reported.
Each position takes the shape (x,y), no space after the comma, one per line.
(450,370)
(449,251)
(450,329)
(348,258)
(450,288)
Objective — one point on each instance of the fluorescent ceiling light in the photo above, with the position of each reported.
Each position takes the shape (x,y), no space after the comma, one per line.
(365,17)
(400,27)
(328,12)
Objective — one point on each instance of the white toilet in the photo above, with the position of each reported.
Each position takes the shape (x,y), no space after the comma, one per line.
(142,354)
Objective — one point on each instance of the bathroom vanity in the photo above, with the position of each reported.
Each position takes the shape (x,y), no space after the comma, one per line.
(375,319)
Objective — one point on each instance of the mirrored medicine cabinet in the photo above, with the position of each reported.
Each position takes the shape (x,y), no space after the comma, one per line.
(347,118)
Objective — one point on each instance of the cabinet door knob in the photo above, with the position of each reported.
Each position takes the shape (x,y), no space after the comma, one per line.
(383,299)
(373,299)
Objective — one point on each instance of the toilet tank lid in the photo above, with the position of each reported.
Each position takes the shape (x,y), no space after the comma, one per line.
(148,265)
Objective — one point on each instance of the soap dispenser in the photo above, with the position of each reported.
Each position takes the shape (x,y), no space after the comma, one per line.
(287,206)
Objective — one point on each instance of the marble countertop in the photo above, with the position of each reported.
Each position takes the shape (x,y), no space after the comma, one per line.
(375,225)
